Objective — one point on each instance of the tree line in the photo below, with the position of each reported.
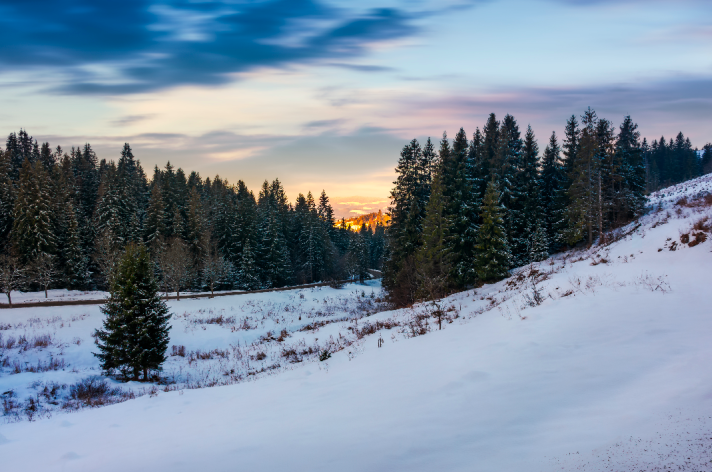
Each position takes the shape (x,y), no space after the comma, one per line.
(66,217)
(474,208)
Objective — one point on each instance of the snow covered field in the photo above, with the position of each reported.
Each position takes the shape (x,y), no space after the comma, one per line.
(594,360)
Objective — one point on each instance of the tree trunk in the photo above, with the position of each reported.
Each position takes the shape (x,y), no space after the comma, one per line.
(46,292)
(145,375)
(9,300)
(178,294)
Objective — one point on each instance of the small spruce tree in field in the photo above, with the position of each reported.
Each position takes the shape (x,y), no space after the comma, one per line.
(493,256)
(134,338)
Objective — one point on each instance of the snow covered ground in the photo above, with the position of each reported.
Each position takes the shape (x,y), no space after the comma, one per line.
(595,360)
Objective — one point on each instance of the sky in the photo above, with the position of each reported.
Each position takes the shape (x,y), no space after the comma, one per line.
(324,94)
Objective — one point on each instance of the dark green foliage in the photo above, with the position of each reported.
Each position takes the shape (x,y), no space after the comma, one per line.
(7,199)
(493,257)
(134,337)
(461,200)
(526,209)
(706,162)
(432,258)
(538,245)
(32,231)
(592,182)
(553,193)
(154,226)
(248,274)
(71,205)
(407,211)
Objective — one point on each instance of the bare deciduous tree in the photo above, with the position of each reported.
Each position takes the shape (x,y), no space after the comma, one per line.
(174,263)
(12,275)
(215,268)
(44,271)
(106,256)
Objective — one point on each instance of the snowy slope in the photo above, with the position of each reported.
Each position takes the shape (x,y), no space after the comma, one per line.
(610,372)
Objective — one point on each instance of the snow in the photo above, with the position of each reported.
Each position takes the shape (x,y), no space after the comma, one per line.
(609,372)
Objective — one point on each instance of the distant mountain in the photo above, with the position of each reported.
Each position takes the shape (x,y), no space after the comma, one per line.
(371,219)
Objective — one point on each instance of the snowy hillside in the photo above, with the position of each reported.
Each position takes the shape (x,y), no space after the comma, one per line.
(595,360)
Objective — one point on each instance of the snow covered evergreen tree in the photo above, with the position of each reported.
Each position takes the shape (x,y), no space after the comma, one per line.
(32,230)
(432,258)
(134,337)
(492,261)
(527,206)
(462,207)
(538,245)
(154,226)
(248,275)
(553,193)
(7,198)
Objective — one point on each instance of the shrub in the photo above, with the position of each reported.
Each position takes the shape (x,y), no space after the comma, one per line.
(95,391)
(324,355)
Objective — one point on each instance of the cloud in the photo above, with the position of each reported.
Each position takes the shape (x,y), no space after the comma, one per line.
(659,106)
(129,120)
(323,124)
(137,45)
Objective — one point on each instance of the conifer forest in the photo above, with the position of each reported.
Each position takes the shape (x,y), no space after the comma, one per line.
(472,209)
(463,211)
(66,216)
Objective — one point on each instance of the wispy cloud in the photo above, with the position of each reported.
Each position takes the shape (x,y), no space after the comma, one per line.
(129,120)
(141,45)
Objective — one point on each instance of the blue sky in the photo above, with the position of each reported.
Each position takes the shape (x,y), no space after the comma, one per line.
(324,94)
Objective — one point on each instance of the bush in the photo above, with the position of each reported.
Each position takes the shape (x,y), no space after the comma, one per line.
(324,355)
(93,391)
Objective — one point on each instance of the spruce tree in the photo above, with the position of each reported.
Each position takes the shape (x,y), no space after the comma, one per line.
(706,161)
(248,275)
(527,207)
(629,155)
(134,337)
(538,245)
(492,261)
(7,199)
(553,193)
(75,267)
(583,197)
(507,168)
(462,208)
(110,207)
(154,226)
(432,257)
(32,230)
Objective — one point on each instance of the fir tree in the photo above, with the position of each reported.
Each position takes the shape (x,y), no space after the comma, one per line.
(462,208)
(110,206)
(553,193)
(629,154)
(32,230)
(7,198)
(75,266)
(539,245)
(527,207)
(706,162)
(493,258)
(134,337)
(583,197)
(154,226)
(507,168)
(248,276)
(432,258)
